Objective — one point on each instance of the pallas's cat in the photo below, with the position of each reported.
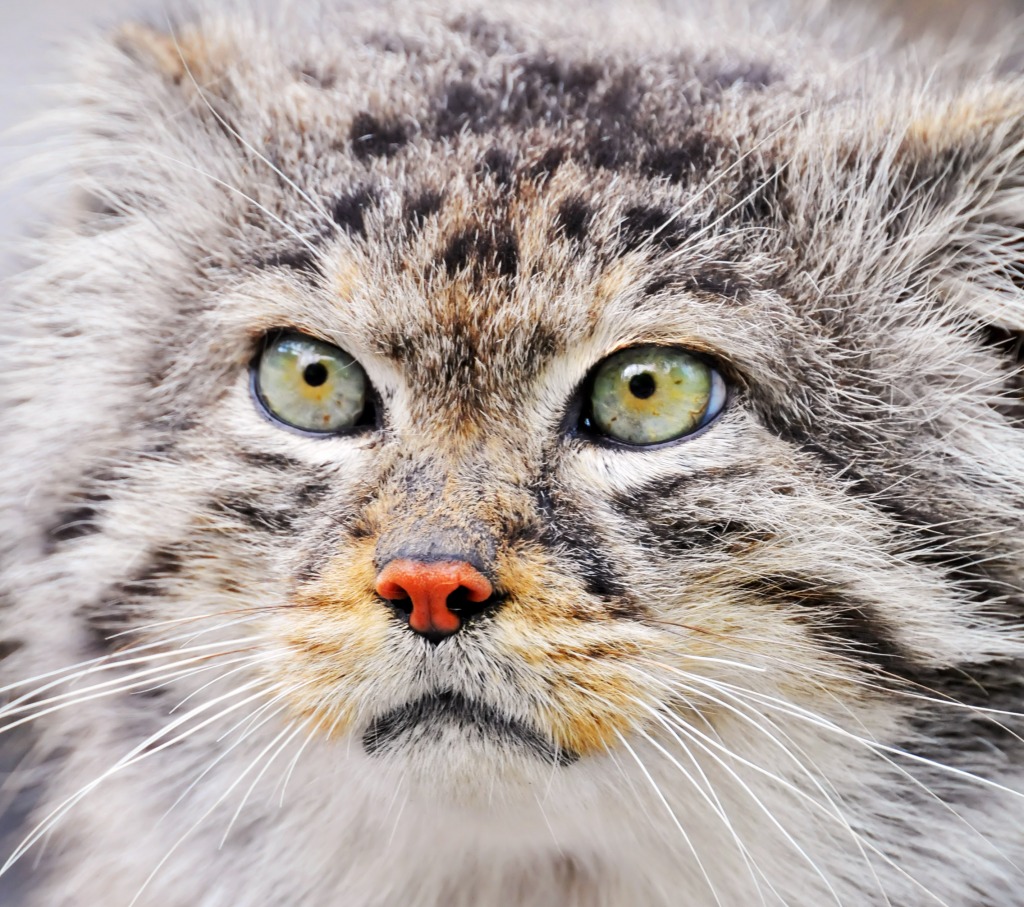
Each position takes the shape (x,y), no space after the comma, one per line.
(519,456)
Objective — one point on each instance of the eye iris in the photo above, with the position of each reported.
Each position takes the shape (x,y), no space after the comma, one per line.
(311,385)
(643,385)
(315,374)
(650,394)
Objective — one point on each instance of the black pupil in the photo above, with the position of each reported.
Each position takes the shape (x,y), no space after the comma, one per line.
(315,374)
(642,385)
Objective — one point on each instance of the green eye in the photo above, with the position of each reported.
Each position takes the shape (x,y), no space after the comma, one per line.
(311,385)
(650,394)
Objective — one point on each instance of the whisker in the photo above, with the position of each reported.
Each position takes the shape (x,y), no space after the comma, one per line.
(672,815)
(147,750)
(295,731)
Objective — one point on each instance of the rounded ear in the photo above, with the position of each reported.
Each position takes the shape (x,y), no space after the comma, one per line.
(975,148)
(180,55)
(966,159)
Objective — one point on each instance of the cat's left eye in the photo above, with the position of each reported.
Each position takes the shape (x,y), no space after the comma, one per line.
(648,395)
(311,385)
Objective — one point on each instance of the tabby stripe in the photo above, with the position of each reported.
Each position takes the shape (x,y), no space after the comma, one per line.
(830,615)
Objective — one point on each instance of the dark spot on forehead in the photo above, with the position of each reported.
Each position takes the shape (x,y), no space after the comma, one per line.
(488,35)
(761,193)
(480,250)
(462,106)
(572,219)
(311,74)
(301,260)
(651,226)
(499,165)
(349,210)
(418,207)
(376,137)
(678,162)
(549,89)
(548,163)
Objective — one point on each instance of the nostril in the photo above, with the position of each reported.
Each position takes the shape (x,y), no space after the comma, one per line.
(402,605)
(462,603)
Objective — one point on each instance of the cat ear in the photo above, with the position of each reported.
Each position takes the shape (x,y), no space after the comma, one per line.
(180,56)
(970,156)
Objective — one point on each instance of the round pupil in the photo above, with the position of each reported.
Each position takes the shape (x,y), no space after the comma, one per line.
(315,374)
(642,385)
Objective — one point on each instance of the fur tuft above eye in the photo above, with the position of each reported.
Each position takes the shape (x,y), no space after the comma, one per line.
(310,385)
(648,395)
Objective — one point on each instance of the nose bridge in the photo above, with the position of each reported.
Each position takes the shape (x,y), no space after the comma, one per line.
(435,509)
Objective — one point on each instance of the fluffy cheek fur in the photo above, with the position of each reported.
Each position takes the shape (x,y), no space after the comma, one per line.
(551,658)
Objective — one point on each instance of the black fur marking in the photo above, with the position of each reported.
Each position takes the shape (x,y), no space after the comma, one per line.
(954,735)
(549,90)
(9,647)
(75,523)
(418,208)
(931,538)
(278,516)
(564,528)
(719,280)
(462,106)
(1011,345)
(573,218)
(275,461)
(833,616)
(548,163)
(311,75)
(488,35)
(375,137)
(163,564)
(124,605)
(349,210)
(426,718)
(761,194)
(684,535)
(478,251)
(300,260)
(678,163)
(499,165)
(646,226)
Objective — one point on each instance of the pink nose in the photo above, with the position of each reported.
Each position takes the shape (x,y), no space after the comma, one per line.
(438,592)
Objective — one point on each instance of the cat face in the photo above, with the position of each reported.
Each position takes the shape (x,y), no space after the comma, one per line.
(477,241)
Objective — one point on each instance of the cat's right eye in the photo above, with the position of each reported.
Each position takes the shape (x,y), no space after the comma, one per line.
(311,385)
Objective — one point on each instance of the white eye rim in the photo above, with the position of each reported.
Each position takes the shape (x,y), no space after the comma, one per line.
(368,420)
(582,425)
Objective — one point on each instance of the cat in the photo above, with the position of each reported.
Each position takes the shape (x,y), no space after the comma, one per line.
(519,456)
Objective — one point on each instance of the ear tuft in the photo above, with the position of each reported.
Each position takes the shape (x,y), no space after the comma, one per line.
(174,56)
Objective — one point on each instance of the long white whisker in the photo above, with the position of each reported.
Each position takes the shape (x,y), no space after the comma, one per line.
(294,733)
(672,815)
(130,758)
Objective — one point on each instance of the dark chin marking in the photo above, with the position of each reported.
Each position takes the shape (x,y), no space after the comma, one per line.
(425,719)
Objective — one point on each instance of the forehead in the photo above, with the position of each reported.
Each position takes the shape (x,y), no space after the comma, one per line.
(503,278)
(475,204)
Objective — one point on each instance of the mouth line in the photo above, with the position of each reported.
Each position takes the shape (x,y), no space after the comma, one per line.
(416,719)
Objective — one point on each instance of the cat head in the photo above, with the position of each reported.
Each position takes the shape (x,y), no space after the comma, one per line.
(477,236)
